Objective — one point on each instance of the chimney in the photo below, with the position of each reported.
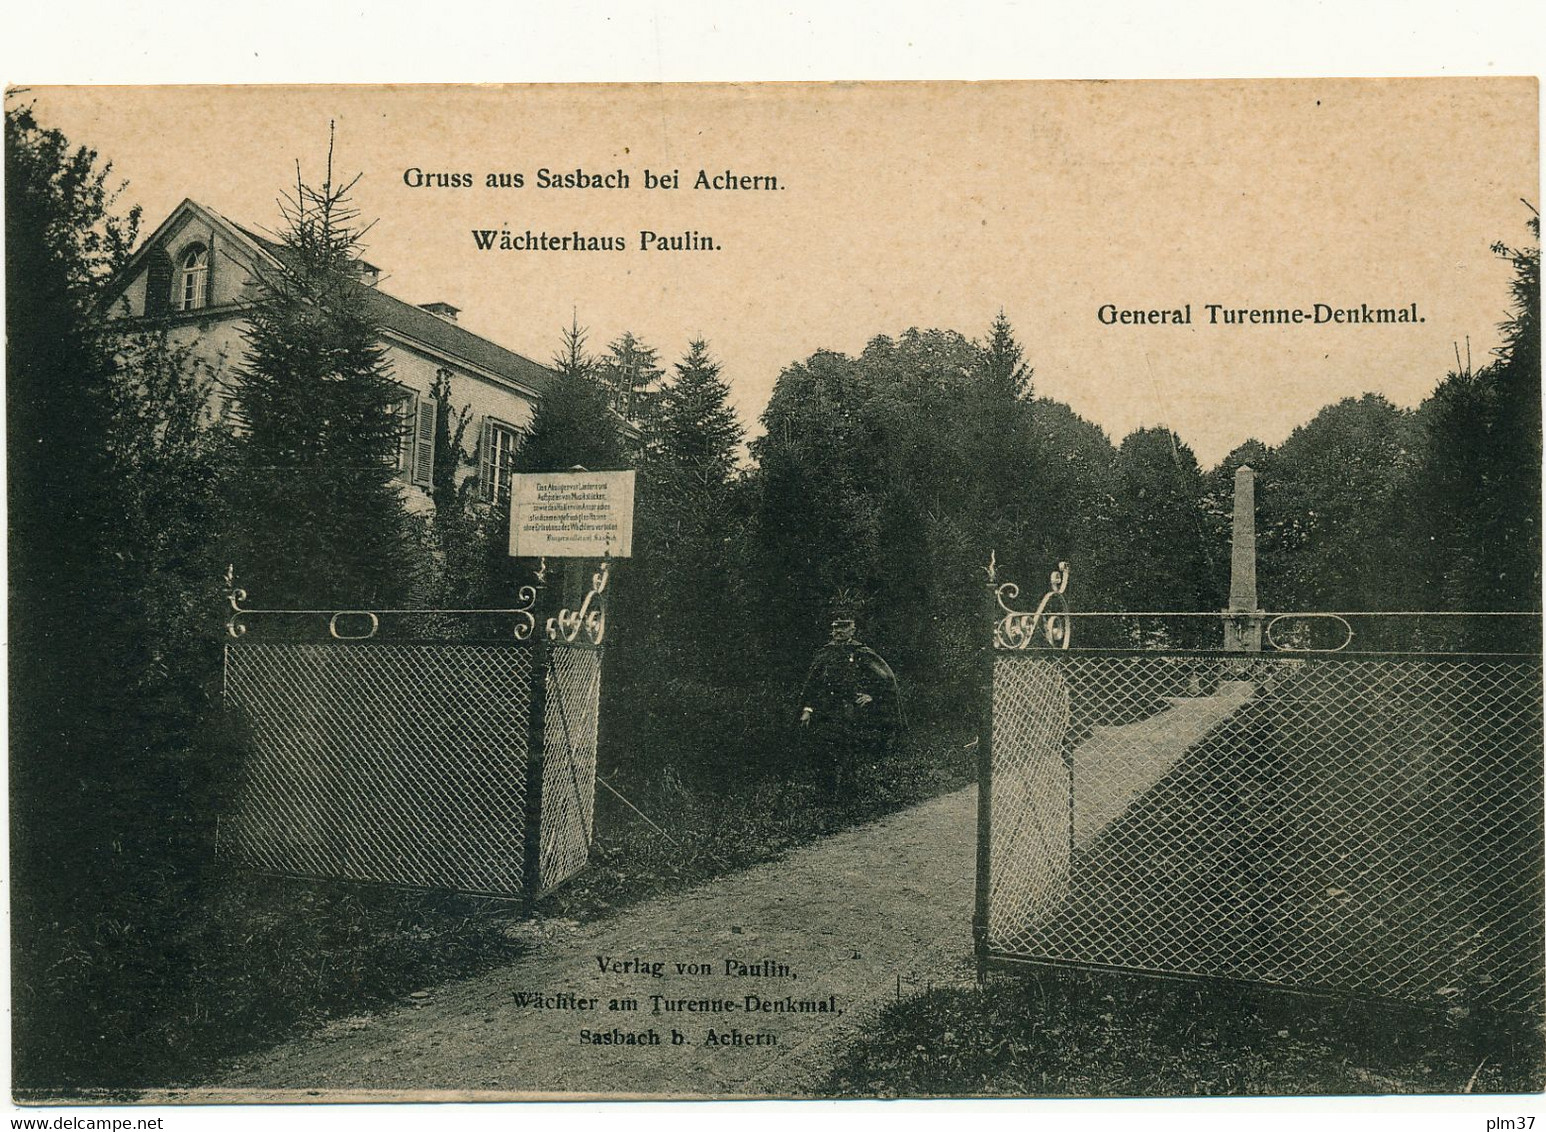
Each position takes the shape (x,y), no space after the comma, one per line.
(369,273)
(441,310)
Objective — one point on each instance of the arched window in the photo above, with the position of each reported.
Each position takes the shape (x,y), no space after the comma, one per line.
(192,279)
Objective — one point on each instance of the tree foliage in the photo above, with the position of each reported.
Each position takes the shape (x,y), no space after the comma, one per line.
(631,374)
(1162,561)
(893,476)
(1004,371)
(63,241)
(1481,478)
(693,433)
(682,634)
(1333,511)
(323,421)
(687,520)
(573,425)
(115,508)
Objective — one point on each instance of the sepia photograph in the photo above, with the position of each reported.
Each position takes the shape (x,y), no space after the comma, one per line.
(806,590)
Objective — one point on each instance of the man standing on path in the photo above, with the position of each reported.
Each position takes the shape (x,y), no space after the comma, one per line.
(850,708)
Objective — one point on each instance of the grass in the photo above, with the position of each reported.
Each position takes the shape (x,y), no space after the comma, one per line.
(1078,1034)
(162,974)
(1301,834)
(715,832)
(161,992)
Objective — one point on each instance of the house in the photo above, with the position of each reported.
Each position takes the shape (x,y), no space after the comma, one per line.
(197,275)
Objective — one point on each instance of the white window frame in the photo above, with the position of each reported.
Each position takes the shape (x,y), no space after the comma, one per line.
(192,278)
(496,466)
(407,409)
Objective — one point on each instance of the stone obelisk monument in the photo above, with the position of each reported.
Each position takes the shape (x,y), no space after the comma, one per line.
(1243,620)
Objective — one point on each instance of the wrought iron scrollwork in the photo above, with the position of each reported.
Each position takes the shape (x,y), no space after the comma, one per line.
(1051,621)
(525,617)
(235,595)
(373,623)
(590,620)
(1286,646)
(523,614)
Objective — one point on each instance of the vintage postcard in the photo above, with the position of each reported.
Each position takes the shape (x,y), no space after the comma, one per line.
(847,590)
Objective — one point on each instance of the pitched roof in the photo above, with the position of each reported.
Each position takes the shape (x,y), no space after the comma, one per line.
(390,313)
(438,333)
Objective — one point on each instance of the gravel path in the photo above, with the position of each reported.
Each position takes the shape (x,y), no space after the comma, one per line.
(1117,765)
(836,927)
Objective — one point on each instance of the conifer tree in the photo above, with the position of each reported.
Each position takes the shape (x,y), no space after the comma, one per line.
(631,374)
(572,359)
(681,628)
(1480,483)
(693,435)
(321,508)
(573,425)
(1003,369)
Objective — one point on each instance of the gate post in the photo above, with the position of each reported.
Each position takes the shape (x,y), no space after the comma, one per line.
(536,753)
(985,778)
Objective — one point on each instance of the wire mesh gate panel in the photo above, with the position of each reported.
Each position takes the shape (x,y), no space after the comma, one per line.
(400,763)
(1364,825)
(569,730)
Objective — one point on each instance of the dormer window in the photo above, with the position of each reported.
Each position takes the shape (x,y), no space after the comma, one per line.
(192,279)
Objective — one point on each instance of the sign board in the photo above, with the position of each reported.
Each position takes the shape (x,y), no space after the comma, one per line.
(571,514)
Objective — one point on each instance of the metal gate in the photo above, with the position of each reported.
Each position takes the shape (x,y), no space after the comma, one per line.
(467,765)
(1361,824)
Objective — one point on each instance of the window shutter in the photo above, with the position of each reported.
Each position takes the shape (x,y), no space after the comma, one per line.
(486,462)
(158,283)
(424,445)
(209,272)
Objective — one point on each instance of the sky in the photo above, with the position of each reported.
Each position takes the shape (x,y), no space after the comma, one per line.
(916,204)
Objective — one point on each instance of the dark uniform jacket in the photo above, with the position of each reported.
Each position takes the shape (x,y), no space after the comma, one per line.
(841,674)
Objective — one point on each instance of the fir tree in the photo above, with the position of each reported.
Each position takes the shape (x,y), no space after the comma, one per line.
(680,618)
(997,451)
(1480,482)
(572,360)
(573,425)
(1003,369)
(631,373)
(324,428)
(693,435)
